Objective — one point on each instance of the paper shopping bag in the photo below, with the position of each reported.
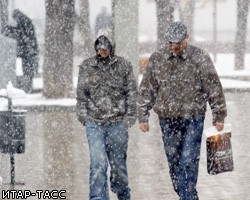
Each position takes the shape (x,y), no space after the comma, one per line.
(219,153)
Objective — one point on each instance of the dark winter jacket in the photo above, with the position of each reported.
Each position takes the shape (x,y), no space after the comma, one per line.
(24,34)
(106,91)
(27,47)
(181,86)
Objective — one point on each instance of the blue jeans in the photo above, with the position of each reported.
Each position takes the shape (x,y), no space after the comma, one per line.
(108,143)
(182,143)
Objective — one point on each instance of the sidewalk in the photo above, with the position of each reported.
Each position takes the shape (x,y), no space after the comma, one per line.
(56,158)
(56,155)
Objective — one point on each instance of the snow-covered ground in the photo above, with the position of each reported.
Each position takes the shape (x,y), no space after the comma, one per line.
(225,65)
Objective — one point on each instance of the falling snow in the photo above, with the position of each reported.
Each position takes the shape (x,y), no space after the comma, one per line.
(56,155)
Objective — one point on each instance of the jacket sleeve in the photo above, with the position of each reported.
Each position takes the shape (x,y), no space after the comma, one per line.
(213,89)
(81,98)
(12,32)
(147,92)
(130,93)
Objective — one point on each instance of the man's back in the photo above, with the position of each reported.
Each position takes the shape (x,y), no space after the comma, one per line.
(24,34)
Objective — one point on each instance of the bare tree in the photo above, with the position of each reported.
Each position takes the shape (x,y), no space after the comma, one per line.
(241,32)
(58,60)
(215,27)
(84,27)
(165,11)
(125,28)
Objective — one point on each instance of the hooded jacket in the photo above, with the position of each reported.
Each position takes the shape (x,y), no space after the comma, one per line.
(181,86)
(106,90)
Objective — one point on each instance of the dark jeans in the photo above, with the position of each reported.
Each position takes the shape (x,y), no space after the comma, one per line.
(108,143)
(182,143)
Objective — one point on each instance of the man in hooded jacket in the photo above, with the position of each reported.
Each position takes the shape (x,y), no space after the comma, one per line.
(106,106)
